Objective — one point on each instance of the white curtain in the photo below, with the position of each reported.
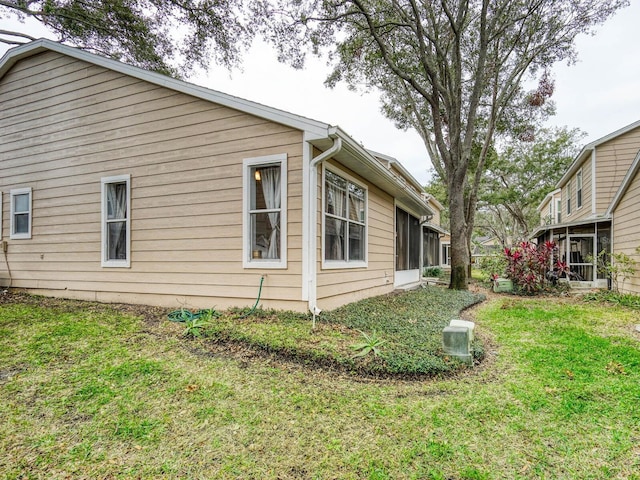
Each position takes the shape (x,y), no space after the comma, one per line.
(117,210)
(337,197)
(271,191)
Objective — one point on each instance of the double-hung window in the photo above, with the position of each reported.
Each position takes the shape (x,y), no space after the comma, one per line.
(116,221)
(579,189)
(265,212)
(344,221)
(568,198)
(20,213)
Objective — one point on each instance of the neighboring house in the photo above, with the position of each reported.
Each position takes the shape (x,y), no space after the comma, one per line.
(483,246)
(123,185)
(596,206)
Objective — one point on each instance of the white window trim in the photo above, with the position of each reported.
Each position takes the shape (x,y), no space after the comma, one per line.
(103,182)
(579,188)
(13,193)
(341,264)
(443,258)
(247,164)
(568,202)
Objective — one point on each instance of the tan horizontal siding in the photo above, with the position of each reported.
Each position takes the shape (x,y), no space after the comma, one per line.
(339,286)
(613,160)
(585,210)
(65,124)
(626,232)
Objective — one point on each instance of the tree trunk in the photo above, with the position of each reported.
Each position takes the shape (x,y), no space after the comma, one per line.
(459,246)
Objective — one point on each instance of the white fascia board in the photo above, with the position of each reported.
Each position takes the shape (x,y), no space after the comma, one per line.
(548,196)
(313,127)
(376,173)
(396,162)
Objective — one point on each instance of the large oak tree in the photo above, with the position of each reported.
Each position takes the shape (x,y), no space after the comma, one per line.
(167,36)
(454,70)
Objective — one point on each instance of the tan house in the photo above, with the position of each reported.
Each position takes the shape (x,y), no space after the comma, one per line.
(120,184)
(595,206)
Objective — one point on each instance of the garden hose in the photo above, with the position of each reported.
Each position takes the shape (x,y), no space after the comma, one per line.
(253,309)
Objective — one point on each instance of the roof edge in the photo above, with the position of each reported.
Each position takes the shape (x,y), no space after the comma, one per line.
(13,55)
(588,148)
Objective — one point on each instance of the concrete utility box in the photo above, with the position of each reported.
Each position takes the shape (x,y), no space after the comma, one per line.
(503,285)
(457,322)
(456,342)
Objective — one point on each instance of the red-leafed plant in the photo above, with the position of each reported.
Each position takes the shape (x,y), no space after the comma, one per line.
(528,264)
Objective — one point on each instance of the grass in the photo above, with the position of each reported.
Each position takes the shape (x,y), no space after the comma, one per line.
(89,392)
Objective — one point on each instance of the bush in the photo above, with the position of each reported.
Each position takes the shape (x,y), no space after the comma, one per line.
(432,272)
(492,266)
(528,264)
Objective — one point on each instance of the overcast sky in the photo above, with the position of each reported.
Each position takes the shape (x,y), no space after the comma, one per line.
(599,94)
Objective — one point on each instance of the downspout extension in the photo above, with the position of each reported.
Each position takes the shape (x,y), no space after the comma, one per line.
(312,215)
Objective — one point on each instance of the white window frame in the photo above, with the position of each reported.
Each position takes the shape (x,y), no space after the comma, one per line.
(13,193)
(103,192)
(445,259)
(340,264)
(569,209)
(579,191)
(247,165)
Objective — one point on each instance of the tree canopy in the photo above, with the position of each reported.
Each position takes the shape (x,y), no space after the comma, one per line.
(517,180)
(167,36)
(453,70)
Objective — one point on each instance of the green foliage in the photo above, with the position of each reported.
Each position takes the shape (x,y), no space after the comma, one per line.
(618,267)
(491,266)
(436,272)
(519,177)
(607,296)
(195,326)
(412,324)
(170,37)
(371,343)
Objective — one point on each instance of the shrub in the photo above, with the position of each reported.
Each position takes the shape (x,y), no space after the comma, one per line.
(528,264)
(433,272)
(616,266)
(492,266)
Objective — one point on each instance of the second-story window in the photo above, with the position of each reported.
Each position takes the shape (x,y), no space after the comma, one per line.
(569,198)
(579,189)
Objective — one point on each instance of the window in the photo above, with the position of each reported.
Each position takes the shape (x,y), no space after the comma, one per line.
(407,241)
(116,221)
(558,211)
(579,189)
(20,213)
(569,198)
(446,254)
(344,221)
(265,200)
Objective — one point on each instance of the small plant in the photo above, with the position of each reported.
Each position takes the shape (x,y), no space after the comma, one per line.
(617,266)
(372,344)
(432,272)
(195,326)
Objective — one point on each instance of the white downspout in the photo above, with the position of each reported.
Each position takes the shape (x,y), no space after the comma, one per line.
(313,222)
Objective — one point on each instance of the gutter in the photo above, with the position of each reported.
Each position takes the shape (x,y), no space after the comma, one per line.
(311,218)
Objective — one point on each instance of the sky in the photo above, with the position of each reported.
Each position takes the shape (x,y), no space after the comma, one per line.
(599,94)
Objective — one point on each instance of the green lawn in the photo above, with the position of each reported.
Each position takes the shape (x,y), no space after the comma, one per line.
(88,392)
